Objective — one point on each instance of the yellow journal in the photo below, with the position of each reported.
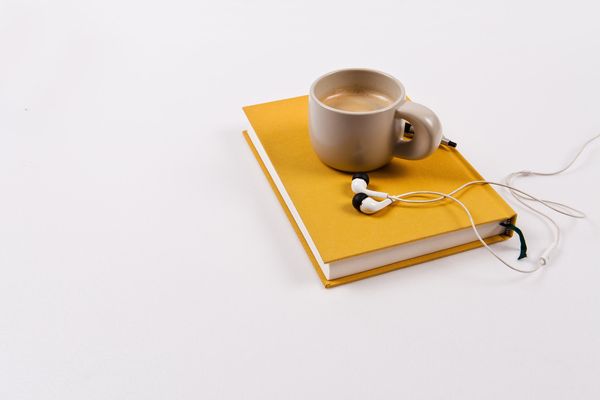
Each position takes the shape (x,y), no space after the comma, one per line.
(345,245)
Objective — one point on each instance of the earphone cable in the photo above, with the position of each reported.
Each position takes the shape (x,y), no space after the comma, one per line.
(471,220)
(519,195)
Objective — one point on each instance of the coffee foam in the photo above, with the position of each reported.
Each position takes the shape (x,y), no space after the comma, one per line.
(357,99)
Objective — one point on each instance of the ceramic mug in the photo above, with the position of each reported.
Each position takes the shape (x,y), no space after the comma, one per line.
(358,141)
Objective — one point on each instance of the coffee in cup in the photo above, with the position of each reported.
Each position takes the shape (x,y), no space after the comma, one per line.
(357,99)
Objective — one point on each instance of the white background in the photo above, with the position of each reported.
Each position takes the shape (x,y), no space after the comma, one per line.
(144,256)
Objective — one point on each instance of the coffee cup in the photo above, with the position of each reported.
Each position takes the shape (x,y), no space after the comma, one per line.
(357,119)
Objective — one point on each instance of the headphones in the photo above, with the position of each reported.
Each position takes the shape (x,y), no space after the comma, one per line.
(364,200)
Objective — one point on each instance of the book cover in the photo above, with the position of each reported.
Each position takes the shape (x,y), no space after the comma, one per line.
(322,197)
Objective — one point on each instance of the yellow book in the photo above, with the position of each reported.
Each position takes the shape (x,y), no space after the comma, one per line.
(345,245)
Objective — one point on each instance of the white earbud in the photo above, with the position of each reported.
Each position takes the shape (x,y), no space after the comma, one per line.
(368,205)
(359,185)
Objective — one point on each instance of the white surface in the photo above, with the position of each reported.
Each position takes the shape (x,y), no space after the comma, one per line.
(144,256)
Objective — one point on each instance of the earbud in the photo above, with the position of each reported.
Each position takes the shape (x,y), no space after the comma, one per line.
(367,205)
(359,185)
(362,200)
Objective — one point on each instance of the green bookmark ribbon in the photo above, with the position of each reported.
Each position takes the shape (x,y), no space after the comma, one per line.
(513,228)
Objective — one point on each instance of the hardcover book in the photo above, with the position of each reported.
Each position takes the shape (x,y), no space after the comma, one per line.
(345,245)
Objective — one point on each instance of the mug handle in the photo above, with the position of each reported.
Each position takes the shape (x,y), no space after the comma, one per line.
(427,127)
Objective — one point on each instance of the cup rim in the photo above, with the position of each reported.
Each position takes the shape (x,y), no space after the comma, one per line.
(391,106)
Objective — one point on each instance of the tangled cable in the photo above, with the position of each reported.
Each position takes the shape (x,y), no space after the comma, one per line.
(522,197)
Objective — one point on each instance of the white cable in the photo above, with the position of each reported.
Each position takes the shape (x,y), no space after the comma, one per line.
(520,196)
(545,257)
(471,220)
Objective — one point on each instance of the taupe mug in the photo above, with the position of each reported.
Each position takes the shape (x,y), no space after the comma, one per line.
(366,139)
